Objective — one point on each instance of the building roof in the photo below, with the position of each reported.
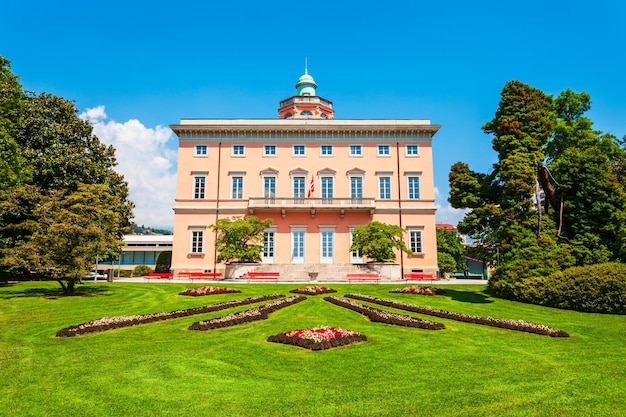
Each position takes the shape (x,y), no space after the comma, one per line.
(148,239)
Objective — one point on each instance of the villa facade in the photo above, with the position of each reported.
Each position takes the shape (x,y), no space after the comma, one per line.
(315,176)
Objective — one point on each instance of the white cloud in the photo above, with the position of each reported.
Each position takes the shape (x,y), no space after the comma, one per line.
(445,212)
(146,162)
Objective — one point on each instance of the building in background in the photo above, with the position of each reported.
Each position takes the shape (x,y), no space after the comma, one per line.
(315,176)
(138,250)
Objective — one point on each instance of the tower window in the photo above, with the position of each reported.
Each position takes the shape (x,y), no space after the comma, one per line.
(306,112)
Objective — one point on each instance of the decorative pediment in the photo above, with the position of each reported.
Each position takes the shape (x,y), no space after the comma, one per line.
(298,171)
(326,171)
(355,171)
(269,171)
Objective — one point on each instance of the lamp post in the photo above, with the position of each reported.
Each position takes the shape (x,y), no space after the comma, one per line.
(95,277)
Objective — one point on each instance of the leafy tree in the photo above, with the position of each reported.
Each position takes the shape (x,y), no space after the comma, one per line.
(13,167)
(240,239)
(450,251)
(377,241)
(585,165)
(503,202)
(446,263)
(71,228)
(49,157)
(163,262)
(547,153)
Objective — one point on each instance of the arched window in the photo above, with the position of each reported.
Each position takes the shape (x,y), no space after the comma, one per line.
(306,113)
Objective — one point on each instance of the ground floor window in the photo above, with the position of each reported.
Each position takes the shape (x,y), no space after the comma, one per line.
(327,245)
(268,246)
(415,241)
(297,246)
(197,241)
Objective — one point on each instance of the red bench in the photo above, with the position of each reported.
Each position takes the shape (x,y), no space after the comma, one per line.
(262,276)
(363,277)
(200,275)
(158,275)
(420,275)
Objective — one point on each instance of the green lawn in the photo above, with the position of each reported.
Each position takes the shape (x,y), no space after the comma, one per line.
(163,369)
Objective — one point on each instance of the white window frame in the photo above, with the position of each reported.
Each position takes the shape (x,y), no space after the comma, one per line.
(299,147)
(383,146)
(199,190)
(412,245)
(303,188)
(268,149)
(236,148)
(196,240)
(380,188)
(201,150)
(298,258)
(265,181)
(355,150)
(413,145)
(324,257)
(355,255)
(267,255)
(330,148)
(408,187)
(323,182)
(238,196)
(352,189)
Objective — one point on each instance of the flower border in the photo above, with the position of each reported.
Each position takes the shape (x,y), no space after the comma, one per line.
(208,290)
(313,290)
(246,316)
(110,323)
(381,316)
(318,338)
(518,325)
(418,290)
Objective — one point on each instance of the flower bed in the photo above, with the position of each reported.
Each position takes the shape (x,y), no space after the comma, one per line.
(109,323)
(518,325)
(381,316)
(418,289)
(312,290)
(208,290)
(246,316)
(318,338)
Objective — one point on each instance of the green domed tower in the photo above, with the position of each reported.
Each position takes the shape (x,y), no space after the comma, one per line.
(306,105)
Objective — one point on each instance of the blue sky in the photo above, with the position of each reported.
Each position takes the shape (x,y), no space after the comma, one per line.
(135,67)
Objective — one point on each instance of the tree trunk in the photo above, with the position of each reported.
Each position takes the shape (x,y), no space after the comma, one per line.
(68,286)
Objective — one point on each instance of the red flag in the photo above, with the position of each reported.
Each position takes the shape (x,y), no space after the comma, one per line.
(311,188)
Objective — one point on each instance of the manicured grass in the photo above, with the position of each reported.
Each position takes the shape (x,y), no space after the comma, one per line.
(163,369)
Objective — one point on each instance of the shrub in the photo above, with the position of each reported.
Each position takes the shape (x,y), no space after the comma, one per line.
(121,273)
(163,262)
(141,270)
(597,288)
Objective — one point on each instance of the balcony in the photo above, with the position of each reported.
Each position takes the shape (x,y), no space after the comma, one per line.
(311,204)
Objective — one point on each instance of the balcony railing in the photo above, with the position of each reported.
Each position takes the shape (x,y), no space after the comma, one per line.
(311,203)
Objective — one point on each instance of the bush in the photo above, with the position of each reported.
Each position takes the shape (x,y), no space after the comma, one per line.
(121,273)
(597,288)
(163,262)
(141,270)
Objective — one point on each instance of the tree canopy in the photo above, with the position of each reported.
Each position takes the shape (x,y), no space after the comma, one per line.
(377,241)
(240,239)
(450,251)
(556,196)
(56,177)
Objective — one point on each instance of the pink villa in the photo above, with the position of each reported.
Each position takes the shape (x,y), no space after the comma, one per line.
(316,177)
